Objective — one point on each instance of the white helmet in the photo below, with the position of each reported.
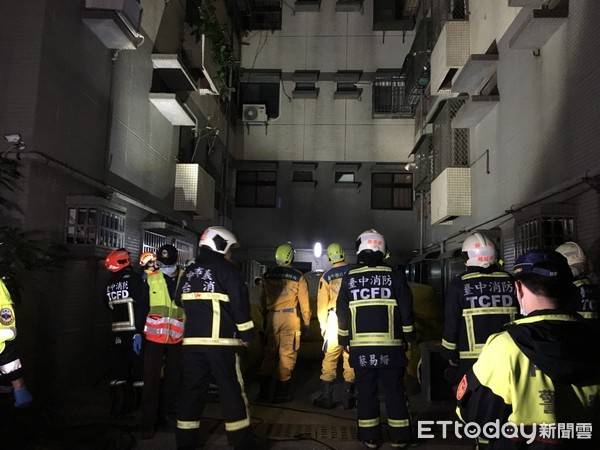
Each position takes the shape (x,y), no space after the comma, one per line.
(370,240)
(218,239)
(575,257)
(480,249)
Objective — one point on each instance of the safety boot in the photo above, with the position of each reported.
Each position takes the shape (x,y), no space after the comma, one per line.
(371,444)
(325,398)
(283,393)
(117,400)
(349,399)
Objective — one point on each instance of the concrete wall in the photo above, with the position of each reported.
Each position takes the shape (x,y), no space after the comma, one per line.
(327,213)
(326,129)
(544,131)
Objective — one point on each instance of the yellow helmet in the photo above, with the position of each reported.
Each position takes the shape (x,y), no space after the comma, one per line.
(335,253)
(284,255)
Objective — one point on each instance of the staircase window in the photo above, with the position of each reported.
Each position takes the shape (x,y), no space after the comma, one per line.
(392,191)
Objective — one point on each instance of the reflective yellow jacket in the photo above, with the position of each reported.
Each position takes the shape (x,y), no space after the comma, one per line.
(544,369)
(8,325)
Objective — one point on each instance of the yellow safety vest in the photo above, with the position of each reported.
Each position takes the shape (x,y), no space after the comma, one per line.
(8,325)
(164,323)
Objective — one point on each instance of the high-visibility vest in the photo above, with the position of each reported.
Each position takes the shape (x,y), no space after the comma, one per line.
(164,323)
(8,329)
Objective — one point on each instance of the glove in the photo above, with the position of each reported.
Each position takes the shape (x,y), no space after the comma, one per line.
(137,343)
(22,397)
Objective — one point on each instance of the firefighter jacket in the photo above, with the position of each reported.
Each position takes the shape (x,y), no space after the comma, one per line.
(588,299)
(478,304)
(374,309)
(329,288)
(8,324)
(127,297)
(285,288)
(164,320)
(215,299)
(543,369)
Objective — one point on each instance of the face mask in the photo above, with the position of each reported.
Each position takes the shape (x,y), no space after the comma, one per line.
(522,309)
(168,270)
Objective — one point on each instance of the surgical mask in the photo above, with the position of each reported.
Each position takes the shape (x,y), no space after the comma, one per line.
(168,270)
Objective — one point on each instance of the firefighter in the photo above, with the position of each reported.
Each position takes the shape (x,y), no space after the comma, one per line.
(329,287)
(148,263)
(478,303)
(588,293)
(374,310)
(126,295)
(218,324)
(543,369)
(163,333)
(285,290)
(10,364)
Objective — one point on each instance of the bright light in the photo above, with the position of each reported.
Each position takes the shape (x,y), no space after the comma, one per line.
(318,250)
(407,167)
(13,138)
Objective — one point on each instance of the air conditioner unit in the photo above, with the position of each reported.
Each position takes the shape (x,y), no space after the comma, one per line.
(254,114)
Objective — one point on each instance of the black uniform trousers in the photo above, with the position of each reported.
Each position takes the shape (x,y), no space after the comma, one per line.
(126,366)
(9,355)
(222,363)
(155,357)
(368,403)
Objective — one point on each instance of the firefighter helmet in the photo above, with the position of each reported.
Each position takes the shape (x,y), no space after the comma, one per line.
(481,250)
(117,260)
(218,239)
(335,253)
(284,255)
(575,257)
(371,240)
(147,259)
(167,255)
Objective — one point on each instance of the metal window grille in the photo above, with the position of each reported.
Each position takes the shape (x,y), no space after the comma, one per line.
(95,226)
(450,145)
(185,252)
(543,233)
(445,10)
(424,160)
(153,241)
(389,96)
(392,191)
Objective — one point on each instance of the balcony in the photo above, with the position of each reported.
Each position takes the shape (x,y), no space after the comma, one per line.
(537,27)
(172,109)
(451,52)
(475,73)
(451,195)
(475,110)
(194,191)
(115,22)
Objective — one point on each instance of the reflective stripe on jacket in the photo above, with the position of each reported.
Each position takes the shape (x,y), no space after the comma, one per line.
(8,325)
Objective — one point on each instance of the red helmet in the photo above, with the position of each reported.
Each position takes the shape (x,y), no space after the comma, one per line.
(117,260)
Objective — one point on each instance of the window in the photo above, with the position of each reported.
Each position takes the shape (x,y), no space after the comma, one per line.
(261,94)
(389,95)
(256,189)
(392,191)
(153,241)
(544,233)
(345,177)
(302,176)
(95,226)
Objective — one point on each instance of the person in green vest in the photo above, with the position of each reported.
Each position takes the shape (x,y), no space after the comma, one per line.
(163,333)
(10,364)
